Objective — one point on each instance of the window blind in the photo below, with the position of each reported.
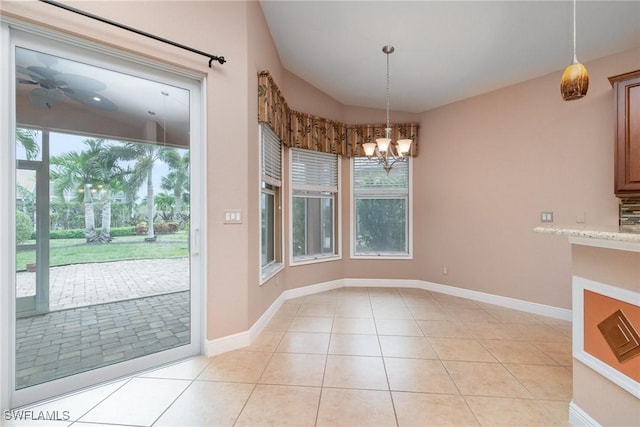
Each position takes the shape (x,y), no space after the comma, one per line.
(369,175)
(271,156)
(313,168)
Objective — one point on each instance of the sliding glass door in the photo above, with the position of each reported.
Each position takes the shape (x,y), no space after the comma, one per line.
(107,280)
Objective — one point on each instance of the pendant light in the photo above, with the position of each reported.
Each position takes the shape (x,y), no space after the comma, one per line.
(383,149)
(575,79)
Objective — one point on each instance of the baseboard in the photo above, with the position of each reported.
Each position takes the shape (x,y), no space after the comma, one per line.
(507,302)
(382,283)
(578,417)
(227,343)
(313,289)
(243,339)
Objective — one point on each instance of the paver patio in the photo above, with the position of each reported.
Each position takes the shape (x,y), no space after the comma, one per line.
(79,285)
(102,313)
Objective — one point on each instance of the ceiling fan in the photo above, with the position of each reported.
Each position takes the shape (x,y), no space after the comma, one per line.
(53,86)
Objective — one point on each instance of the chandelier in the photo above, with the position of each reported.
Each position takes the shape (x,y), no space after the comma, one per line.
(575,79)
(387,152)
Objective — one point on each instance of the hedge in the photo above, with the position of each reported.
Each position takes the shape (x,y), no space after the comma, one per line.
(78,233)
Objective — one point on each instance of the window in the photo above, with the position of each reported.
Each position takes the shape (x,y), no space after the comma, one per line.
(270,218)
(381,213)
(314,224)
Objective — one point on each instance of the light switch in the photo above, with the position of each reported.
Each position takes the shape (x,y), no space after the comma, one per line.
(233,216)
(546,216)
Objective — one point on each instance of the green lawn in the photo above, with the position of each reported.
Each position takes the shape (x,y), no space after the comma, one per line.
(76,251)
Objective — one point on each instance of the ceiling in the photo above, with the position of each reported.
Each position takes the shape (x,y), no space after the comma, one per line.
(444,50)
(58,93)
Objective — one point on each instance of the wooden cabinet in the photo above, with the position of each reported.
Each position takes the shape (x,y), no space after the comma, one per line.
(626,93)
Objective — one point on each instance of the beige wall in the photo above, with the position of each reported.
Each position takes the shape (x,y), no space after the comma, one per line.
(490,164)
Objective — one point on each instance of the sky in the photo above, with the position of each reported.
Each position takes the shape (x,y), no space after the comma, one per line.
(61,143)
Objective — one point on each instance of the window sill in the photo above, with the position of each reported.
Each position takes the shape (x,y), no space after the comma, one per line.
(398,256)
(313,259)
(269,271)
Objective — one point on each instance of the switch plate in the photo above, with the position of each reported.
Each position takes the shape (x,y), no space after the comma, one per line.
(546,216)
(233,216)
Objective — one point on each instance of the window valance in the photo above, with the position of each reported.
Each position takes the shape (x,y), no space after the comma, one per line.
(301,130)
(317,134)
(361,134)
(272,107)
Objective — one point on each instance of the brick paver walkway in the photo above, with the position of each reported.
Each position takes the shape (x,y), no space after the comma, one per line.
(79,285)
(102,313)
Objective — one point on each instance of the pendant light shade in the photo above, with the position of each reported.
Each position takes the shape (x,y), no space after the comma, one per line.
(575,79)
(575,82)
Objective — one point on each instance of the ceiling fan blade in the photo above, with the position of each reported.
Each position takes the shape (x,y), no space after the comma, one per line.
(92,99)
(45,98)
(33,76)
(78,82)
(43,72)
(26,82)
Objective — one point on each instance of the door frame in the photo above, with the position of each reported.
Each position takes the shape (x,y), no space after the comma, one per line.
(12,33)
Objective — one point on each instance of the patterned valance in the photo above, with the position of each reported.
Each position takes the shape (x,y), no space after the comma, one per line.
(361,134)
(301,130)
(317,134)
(272,107)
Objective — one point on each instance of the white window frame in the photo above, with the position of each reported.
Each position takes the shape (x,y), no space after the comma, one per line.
(382,193)
(337,209)
(271,269)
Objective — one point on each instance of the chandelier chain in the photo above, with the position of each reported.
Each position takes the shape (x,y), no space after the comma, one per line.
(388,94)
(575,58)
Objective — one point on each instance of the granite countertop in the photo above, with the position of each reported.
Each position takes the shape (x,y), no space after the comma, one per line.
(590,232)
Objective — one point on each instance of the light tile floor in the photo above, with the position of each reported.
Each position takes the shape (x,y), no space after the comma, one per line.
(356,357)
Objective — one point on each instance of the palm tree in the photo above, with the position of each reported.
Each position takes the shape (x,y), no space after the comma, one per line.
(177,180)
(28,139)
(145,157)
(164,202)
(89,174)
(108,174)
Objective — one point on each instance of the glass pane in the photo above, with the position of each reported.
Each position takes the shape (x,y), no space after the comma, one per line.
(312,226)
(267,209)
(28,144)
(113,265)
(25,233)
(381,225)
(299,225)
(327,215)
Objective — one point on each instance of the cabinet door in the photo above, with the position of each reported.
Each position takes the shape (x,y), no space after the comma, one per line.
(628,137)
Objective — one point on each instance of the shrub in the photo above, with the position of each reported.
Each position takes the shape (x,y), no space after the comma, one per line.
(123,231)
(67,234)
(24,227)
(78,233)
(141,228)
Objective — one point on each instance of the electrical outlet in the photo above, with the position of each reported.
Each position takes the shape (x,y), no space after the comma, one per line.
(581,219)
(445,270)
